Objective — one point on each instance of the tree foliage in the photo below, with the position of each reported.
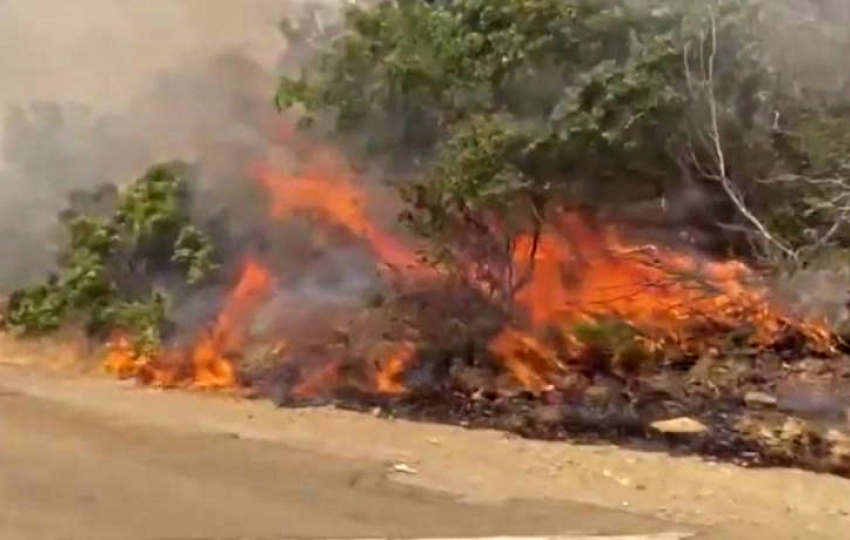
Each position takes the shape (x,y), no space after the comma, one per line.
(120,261)
(518,106)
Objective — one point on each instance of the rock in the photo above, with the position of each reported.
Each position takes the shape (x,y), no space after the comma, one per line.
(838,438)
(839,449)
(403,468)
(748,427)
(795,431)
(599,395)
(788,441)
(759,400)
(548,415)
(679,426)
(842,330)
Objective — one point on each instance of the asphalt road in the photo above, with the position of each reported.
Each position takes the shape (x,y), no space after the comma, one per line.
(68,473)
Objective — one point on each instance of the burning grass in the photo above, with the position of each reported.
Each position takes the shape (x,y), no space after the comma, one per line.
(604,338)
(601,338)
(590,297)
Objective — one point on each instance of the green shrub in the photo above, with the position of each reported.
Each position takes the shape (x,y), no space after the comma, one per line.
(108,272)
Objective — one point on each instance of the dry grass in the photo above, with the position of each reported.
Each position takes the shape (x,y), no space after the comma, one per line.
(67,351)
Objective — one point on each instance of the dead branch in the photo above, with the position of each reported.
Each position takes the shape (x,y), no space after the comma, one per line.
(833,202)
(712,139)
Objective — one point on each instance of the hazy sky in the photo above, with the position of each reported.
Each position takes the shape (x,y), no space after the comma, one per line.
(92,91)
(102,51)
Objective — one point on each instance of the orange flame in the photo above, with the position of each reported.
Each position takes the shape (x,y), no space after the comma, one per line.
(530,362)
(332,196)
(212,369)
(121,359)
(387,378)
(205,365)
(579,274)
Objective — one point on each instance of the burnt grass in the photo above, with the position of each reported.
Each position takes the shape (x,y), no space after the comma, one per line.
(780,404)
(758,408)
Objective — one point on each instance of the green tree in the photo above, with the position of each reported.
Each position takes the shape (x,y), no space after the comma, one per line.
(501,110)
(111,274)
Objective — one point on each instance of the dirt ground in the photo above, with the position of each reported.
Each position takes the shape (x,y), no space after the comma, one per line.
(73,473)
(134,461)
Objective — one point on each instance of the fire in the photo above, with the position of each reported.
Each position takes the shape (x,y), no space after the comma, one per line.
(580,271)
(204,365)
(121,358)
(388,374)
(333,197)
(530,362)
(581,274)
(254,284)
(574,273)
(212,369)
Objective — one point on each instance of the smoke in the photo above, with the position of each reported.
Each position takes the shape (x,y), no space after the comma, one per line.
(810,41)
(94,91)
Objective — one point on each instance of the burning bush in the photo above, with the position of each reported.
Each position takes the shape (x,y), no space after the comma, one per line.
(526,140)
(519,108)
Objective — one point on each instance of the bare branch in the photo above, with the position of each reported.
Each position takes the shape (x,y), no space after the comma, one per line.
(713,139)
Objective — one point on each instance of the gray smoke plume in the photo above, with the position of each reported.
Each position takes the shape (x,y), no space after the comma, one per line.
(95,91)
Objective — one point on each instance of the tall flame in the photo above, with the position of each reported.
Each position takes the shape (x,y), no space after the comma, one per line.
(582,274)
(334,198)
(212,368)
(204,365)
(574,273)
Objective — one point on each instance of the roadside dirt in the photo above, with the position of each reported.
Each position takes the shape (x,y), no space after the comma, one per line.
(70,473)
(482,467)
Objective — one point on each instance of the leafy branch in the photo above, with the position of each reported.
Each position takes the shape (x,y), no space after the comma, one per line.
(111,271)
